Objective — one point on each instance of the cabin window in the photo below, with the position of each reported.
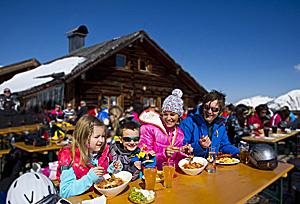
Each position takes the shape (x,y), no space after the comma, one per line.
(120,61)
(151,101)
(145,102)
(111,100)
(143,65)
(148,101)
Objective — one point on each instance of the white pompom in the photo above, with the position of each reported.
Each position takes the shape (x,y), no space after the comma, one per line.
(177,92)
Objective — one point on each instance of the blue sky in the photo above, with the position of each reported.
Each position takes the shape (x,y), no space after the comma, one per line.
(242,48)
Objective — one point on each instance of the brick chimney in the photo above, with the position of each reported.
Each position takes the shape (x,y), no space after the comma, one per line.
(76,38)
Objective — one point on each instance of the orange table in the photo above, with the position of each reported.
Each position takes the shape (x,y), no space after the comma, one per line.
(231,184)
(272,139)
(32,149)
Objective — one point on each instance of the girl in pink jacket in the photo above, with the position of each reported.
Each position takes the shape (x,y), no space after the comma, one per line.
(161,133)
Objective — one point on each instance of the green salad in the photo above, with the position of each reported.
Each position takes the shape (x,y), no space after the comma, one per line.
(141,195)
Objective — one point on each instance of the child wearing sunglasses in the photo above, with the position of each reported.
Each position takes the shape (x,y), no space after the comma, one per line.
(128,152)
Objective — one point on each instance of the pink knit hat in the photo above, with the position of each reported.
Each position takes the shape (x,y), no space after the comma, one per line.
(174,103)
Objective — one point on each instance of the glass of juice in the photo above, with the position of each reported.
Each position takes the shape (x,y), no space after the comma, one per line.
(150,177)
(169,170)
(244,152)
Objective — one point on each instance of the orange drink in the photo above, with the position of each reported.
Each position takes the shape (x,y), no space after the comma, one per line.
(150,177)
(169,170)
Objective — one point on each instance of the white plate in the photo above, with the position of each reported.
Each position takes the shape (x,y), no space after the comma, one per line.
(277,135)
(236,162)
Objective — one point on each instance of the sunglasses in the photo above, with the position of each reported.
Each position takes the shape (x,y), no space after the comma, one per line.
(128,139)
(6,91)
(213,109)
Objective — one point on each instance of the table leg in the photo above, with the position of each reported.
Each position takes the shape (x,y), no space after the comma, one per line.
(276,147)
(280,190)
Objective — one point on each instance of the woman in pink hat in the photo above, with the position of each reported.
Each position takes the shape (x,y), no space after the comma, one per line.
(161,133)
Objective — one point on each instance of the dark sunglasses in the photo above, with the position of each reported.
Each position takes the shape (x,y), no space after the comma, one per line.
(128,139)
(6,91)
(212,108)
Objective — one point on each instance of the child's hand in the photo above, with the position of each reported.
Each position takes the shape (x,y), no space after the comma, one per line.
(187,149)
(99,171)
(117,165)
(169,151)
(152,153)
(138,165)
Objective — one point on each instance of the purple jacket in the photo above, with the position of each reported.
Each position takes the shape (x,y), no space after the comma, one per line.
(157,137)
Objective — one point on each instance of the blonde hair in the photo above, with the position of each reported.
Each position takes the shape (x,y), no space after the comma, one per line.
(82,134)
(118,112)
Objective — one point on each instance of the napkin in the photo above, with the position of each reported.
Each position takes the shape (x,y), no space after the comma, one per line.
(98,200)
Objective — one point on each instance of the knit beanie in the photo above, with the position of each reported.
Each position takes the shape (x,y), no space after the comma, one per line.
(174,103)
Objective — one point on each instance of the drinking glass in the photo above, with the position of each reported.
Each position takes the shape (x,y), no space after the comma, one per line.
(150,177)
(266,131)
(211,168)
(274,129)
(244,152)
(169,170)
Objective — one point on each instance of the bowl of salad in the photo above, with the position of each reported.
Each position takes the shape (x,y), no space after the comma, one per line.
(141,196)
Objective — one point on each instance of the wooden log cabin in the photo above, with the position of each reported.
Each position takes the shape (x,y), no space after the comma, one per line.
(125,70)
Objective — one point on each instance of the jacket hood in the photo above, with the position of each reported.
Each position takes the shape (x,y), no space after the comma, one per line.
(152,118)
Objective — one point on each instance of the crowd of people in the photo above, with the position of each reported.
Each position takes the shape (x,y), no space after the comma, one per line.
(108,139)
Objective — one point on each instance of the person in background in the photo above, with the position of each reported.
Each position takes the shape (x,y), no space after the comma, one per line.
(82,111)
(229,109)
(138,109)
(8,97)
(128,110)
(206,128)
(86,160)
(56,111)
(7,115)
(236,124)
(281,115)
(161,134)
(259,117)
(185,110)
(95,111)
(69,112)
(128,152)
(115,114)
(292,116)
(103,114)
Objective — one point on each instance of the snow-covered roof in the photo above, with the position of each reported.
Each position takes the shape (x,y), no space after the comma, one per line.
(27,80)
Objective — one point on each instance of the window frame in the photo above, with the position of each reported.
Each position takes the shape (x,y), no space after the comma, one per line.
(124,62)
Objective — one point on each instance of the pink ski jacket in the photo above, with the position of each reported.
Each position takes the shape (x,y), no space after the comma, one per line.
(157,137)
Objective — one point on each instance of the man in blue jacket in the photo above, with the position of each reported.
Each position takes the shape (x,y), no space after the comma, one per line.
(206,128)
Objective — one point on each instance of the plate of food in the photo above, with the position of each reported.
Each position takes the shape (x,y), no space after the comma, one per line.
(226,159)
(159,176)
(141,196)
